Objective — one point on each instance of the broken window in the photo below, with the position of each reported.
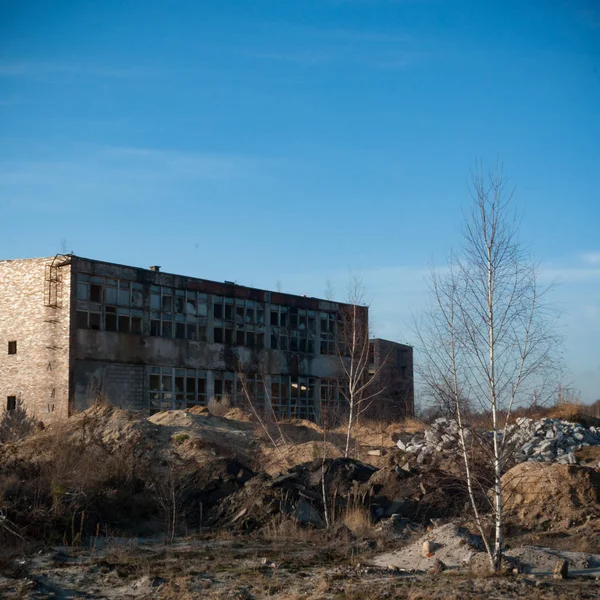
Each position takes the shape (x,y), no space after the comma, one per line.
(191,332)
(302,398)
(95,293)
(218,335)
(155,327)
(176,388)
(94,321)
(110,319)
(228,311)
(11,403)
(250,390)
(240,337)
(124,293)
(167,329)
(239,314)
(124,324)
(250,339)
(81,319)
(137,294)
(167,303)
(191,303)
(136,324)
(223,385)
(327,343)
(12,347)
(179,302)
(280,402)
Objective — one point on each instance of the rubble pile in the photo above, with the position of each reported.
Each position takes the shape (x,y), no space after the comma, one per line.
(297,494)
(544,440)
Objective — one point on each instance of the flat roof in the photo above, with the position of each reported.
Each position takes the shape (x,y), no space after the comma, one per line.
(228,288)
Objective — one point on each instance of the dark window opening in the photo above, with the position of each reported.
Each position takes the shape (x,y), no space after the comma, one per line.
(239,337)
(110,322)
(82,319)
(167,329)
(180,331)
(155,327)
(123,324)
(136,325)
(11,403)
(95,293)
(94,320)
(218,335)
(218,311)
(12,347)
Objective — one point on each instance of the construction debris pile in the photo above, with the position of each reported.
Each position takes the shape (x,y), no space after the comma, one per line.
(544,440)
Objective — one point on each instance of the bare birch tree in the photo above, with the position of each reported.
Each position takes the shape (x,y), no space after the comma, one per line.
(352,336)
(488,335)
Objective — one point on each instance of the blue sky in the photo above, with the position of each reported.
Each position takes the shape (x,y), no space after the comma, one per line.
(294,141)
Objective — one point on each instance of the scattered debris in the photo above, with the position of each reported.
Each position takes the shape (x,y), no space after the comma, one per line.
(561,569)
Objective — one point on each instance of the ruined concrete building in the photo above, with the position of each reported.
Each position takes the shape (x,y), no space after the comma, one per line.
(75,330)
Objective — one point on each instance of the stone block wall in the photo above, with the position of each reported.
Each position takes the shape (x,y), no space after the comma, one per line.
(35,313)
(120,384)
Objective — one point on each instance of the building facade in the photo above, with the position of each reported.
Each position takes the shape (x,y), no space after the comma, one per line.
(77,330)
(394,394)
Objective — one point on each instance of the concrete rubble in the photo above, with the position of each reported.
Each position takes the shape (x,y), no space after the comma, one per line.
(544,440)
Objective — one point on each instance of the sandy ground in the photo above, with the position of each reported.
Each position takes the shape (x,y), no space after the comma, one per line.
(459,549)
(246,569)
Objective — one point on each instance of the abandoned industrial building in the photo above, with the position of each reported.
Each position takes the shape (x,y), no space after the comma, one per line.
(75,330)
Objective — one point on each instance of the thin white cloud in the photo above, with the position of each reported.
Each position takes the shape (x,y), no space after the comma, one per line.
(591,258)
(393,60)
(195,165)
(52,69)
(355,35)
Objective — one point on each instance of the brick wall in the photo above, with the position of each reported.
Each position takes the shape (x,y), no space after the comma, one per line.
(38,374)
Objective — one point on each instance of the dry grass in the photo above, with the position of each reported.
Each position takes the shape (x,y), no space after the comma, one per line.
(358,521)
(286,529)
(575,412)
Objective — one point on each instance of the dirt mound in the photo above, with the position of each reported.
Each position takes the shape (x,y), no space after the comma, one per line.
(589,456)
(276,461)
(203,437)
(106,428)
(543,496)
(237,414)
(198,410)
